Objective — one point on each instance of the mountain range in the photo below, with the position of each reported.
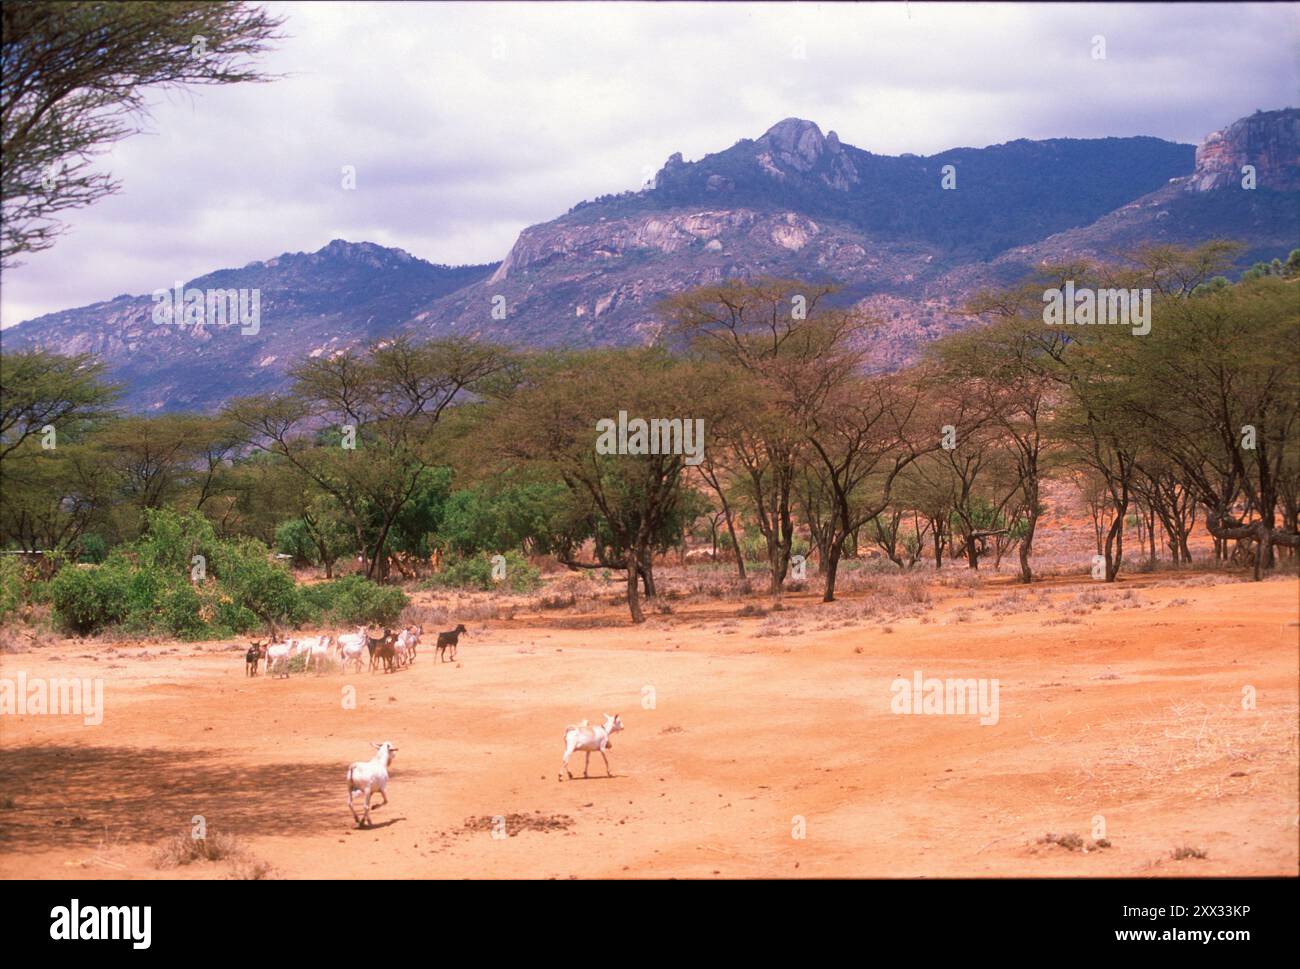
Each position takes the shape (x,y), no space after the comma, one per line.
(906,237)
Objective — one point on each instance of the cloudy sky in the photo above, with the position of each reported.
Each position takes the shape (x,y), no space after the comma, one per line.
(468,122)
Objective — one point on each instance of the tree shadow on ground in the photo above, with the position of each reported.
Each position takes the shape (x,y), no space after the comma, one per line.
(59,796)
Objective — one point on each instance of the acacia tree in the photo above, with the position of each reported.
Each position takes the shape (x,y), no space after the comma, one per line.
(52,500)
(1095,419)
(1097,435)
(39,389)
(779,337)
(813,496)
(548,424)
(167,459)
(1158,486)
(363,425)
(863,433)
(714,477)
(52,476)
(75,82)
(1010,365)
(1216,388)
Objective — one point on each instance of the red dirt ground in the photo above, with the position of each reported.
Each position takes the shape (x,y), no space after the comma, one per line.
(1133,715)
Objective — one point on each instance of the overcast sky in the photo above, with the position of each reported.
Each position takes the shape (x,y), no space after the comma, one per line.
(468,122)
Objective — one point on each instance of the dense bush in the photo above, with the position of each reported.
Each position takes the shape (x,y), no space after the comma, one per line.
(93,549)
(13,585)
(475,572)
(354,599)
(178,579)
(293,538)
(90,598)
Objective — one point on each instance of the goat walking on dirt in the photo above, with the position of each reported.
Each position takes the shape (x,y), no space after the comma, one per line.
(381,649)
(277,659)
(587,738)
(449,640)
(256,653)
(367,776)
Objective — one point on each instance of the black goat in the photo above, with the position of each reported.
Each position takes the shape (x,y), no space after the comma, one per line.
(450,639)
(256,653)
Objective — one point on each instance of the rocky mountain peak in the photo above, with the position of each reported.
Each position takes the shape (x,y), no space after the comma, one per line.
(796,143)
(1267,140)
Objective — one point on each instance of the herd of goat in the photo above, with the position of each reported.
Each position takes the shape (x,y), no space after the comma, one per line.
(392,650)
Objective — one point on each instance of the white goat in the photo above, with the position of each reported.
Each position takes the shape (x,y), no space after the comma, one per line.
(414,633)
(404,647)
(277,658)
(316,649)
(587,738)
(367,776)
(351,647)
(352,653)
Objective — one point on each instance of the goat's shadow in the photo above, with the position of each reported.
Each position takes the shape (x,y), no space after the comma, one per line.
(372,826)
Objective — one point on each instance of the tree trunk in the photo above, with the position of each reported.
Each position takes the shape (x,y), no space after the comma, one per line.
(735,543)
(633,591)
(832,567)
(1151,537)
(1027,543)
(1115,544)
(648,575)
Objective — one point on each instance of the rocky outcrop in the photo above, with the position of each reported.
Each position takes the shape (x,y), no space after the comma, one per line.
(1269,141)
(1211,202)
(799,146)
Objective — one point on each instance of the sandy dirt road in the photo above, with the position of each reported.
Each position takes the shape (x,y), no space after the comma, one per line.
(1133,716)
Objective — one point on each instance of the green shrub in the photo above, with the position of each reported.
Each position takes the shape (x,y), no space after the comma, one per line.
(13,585)
(144,592)
(475,572)
(181,612)
(88,599)
(266,590)
(293,538)
(354,599)
(151,586)
(93,549)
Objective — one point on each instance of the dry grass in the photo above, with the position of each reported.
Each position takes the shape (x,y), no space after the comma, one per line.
(1073,842)
(1070,842)
(1206,751)
(512,824)
(186,850)
(250,870)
